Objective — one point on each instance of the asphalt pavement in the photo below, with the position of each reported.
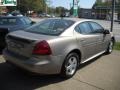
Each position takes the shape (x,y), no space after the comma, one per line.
(102,73)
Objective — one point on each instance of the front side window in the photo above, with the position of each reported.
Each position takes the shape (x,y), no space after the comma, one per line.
(96,27)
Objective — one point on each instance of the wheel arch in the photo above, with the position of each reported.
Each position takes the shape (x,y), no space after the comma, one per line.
(75,51)
(78,52)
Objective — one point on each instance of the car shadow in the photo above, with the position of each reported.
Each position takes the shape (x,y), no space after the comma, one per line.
(11,78)
(89,62)
(0,52)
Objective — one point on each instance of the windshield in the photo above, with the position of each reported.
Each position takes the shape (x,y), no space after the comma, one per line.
(50,26)
(8,21)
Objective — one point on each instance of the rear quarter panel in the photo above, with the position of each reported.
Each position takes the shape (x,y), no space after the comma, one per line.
(63,45)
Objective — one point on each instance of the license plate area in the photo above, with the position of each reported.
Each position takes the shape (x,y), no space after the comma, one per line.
(15,46)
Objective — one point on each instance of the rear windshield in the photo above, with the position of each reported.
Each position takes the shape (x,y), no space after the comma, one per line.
(8,21)
(50,26)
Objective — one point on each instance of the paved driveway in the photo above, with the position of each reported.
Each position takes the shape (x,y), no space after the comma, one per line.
(102,73)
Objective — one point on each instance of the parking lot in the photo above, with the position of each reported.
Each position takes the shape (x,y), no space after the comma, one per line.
(60,45)
(101,73)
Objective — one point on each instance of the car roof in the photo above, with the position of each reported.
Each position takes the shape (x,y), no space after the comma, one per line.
(71,19)
(60,19)
(78,19)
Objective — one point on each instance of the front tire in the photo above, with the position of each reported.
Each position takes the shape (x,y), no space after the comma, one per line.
(110,47)
(70,65)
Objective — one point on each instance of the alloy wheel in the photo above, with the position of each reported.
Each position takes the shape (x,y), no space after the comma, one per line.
(71,66)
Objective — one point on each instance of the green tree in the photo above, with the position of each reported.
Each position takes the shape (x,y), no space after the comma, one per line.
(29,5)
(60,10)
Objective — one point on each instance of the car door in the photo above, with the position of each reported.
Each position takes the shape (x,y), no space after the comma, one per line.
(102,40)
(86,40)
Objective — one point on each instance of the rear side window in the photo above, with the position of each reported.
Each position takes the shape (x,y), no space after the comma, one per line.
(84,28)
(77,29)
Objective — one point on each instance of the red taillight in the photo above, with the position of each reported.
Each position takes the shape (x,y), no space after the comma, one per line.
(42,48)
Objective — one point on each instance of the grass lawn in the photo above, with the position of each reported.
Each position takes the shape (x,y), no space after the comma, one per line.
(117,46)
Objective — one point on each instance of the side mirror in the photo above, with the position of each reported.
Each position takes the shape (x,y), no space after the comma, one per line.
(106,32)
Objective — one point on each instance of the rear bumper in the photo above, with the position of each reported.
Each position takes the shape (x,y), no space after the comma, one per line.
(45,65)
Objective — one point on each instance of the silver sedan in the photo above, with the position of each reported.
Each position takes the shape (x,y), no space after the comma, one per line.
(57,46)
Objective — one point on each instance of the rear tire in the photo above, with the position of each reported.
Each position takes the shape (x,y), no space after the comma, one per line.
(70,65)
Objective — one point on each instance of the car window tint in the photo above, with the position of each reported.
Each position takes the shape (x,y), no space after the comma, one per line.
(96,27)
(46,25)
(60,25)
(85,28)
(22,21)
(50,27)
(77,29)
(27,20)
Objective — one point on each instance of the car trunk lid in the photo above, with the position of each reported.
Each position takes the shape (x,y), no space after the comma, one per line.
(23,43)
